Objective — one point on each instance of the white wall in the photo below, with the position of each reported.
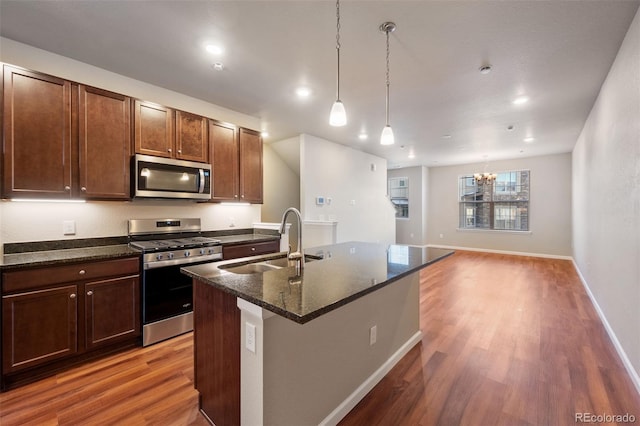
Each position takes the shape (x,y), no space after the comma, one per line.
(281,186)
(359,195)
(414,229)
(43,221)
(606,200)
(549,208)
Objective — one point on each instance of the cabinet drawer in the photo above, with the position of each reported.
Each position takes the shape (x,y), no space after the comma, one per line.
(245,250)
(32,278)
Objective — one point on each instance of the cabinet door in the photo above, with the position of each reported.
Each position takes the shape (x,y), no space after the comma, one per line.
(250,166)
(111,310)
(223,143)
(105,144)
(38,327)
(191,137)
(154,133)
(37,135)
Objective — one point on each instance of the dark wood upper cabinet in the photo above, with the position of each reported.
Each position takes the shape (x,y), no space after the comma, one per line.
(250,166)
(104,144)
(37,135)
(191,137)
(154,129)
(223,143)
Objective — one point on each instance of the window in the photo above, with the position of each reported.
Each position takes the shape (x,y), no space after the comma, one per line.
(502,204)
(399,194)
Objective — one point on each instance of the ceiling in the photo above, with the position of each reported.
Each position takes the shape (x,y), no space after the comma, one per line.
(442,108)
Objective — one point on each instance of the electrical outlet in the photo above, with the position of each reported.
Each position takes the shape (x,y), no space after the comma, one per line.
(373,335)
(250,337)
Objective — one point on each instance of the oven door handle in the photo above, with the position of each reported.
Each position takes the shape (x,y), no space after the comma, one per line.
(201,185)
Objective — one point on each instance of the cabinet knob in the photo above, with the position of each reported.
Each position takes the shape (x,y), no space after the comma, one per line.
(235,196)
(169,150)
(72,296)
(242,195)
(67,188)
(82,272)
(253,249)
(83,189)
(179,151)
(90,293)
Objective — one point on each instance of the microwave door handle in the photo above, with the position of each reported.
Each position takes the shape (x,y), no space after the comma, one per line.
(201,185)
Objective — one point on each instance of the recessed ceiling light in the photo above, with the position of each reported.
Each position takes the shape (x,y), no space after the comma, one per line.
(529,139)
(510,127)
(303,92)
(412,154)
(363,136)
(213,49)
(264,134)
(218,66)
(521,100)
(447,136)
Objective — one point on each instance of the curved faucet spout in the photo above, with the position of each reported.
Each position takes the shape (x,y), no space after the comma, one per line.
(297,256)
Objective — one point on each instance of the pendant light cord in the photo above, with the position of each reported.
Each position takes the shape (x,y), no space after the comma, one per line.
(388,82)
(338,45)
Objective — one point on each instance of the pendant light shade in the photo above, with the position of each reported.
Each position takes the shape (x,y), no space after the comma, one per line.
(387,136)
(387,133)
(338,115)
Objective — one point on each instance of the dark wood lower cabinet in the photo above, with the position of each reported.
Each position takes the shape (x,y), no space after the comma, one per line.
(38,327)
(111,310)
(217,353)
(250,249)
(56,317)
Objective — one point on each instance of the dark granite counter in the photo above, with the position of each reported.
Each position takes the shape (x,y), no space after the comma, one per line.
(345,273)
(245,238)
(62,256)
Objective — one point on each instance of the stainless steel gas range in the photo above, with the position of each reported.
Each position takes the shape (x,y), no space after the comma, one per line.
(167,295)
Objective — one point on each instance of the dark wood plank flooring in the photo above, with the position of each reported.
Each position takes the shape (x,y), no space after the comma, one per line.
(507,341)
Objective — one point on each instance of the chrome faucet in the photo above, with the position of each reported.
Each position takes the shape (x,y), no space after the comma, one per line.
(297,256)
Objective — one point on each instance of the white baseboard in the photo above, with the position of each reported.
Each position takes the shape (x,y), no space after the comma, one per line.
(352,400)
(514,253)
(633,374)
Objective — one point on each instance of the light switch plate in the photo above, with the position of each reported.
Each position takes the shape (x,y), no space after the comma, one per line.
(69,227)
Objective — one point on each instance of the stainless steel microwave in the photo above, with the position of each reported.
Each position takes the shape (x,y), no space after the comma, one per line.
(157,177)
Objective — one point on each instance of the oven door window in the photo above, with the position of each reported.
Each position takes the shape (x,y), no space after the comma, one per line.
(166,293)
(165,177)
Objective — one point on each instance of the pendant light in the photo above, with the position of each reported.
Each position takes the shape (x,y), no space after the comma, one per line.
(338,116)
(387,134)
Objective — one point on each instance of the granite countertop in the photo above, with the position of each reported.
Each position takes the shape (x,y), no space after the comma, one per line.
(61,256)
(346,272)
(245,238)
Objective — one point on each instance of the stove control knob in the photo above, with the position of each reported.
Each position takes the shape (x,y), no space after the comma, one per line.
(202,251)
(170,255)
(187,253)
(159,257)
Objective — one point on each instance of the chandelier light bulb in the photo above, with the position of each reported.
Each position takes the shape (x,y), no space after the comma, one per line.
(387,136)
(338,116)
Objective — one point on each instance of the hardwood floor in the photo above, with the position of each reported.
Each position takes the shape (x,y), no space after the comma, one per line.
(507,340)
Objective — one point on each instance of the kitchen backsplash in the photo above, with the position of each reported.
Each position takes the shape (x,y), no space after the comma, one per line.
(40,221)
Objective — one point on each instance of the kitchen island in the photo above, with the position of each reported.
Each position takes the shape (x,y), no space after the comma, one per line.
(274,345)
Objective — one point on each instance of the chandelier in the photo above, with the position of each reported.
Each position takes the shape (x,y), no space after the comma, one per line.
(484,178)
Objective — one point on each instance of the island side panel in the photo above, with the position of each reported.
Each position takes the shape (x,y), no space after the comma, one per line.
(309,370)
(217,353)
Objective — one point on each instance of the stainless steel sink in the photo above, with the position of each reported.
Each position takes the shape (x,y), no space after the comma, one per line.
(250,268)
(259,265)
